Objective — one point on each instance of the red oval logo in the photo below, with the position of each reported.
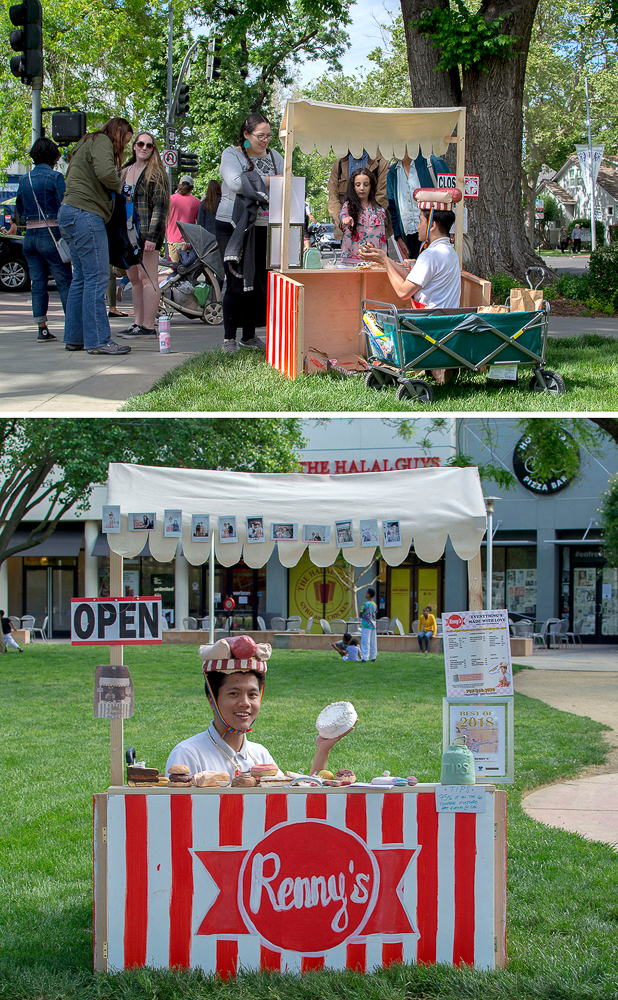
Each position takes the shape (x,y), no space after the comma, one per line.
(299,870)
(455,621)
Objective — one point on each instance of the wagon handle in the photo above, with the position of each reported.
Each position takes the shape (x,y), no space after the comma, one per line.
(543,274)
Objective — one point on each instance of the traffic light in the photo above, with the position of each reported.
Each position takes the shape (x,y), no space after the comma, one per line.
(187,163)
(182,103)
(68,127)
(213,62)
(28,41)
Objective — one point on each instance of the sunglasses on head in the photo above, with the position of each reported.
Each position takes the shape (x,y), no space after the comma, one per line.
(144,145)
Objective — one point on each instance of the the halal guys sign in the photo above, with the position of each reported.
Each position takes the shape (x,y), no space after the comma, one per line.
(308,887)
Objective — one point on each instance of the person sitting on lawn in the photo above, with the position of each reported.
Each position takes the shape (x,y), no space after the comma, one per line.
(353,652)
(341,646)
(434,281)
(234,695)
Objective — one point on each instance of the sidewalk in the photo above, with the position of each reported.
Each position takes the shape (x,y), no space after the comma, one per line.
(587,805)
(44,378)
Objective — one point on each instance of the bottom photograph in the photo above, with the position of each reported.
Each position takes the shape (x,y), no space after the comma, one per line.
(226,807)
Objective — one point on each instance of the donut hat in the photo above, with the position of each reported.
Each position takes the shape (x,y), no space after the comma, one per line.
(245,661)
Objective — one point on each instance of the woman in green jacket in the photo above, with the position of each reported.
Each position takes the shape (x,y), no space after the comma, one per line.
(93,176)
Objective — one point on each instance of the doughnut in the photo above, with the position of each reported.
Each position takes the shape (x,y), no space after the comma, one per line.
(345,776)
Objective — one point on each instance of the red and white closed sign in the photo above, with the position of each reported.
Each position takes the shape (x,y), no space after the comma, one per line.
(115,621)
(293,882)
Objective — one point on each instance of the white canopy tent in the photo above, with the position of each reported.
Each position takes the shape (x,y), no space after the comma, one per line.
(431,506)
(341,128)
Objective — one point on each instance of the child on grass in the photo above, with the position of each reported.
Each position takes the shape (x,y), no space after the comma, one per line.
(353,652)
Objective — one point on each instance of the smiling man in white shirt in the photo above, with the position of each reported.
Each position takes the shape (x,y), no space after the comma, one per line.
(435,278)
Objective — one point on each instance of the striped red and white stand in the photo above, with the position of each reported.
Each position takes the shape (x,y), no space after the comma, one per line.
(284,349)
(296,880)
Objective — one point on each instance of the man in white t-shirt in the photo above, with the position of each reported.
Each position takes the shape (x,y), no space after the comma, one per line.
(435,278)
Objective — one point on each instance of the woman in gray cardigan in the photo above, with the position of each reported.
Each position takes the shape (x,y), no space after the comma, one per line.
(241,228)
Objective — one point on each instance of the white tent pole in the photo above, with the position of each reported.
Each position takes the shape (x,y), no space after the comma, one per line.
(116,746)
(211,588)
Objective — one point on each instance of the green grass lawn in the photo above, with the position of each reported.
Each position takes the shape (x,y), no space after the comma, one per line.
(245,382)
(562,889)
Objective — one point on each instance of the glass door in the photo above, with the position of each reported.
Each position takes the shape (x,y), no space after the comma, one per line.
(63,589)
(595,603)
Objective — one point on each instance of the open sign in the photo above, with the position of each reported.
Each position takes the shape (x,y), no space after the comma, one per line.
(115,621)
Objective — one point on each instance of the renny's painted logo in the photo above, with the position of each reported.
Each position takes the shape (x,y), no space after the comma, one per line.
(455,621)
(308,887)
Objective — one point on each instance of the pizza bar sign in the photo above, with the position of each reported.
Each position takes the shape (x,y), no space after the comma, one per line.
(115,621)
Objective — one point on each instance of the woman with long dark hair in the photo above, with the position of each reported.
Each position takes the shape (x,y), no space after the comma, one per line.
(209,206)
(146,189)
(39,198)
(93,176)
(242,228)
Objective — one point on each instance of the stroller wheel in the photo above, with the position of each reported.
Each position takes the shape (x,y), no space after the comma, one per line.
(416,389)
(552,382)
(212,313)
(377,380)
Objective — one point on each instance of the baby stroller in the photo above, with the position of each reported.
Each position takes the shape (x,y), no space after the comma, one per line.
(182,291)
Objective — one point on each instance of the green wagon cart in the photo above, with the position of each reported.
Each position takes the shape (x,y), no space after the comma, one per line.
(404,343)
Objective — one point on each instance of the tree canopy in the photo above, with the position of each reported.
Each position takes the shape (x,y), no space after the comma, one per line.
(50,465)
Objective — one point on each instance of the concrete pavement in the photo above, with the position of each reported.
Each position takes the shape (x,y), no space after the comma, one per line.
(584,684)
(44,378)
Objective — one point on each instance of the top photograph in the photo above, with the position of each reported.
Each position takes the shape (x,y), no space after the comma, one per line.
(243,220)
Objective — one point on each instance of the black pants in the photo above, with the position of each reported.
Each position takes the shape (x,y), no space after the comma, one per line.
(246,310)
(577,245)
(414,245)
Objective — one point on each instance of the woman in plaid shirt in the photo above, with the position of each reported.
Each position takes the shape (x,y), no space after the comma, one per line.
(145,184)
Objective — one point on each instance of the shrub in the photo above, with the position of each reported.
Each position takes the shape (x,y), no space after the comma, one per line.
(501,285)
(574,286)
(585,224)
(603,270)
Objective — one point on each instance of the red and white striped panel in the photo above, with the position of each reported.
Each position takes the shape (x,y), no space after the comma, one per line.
(282,329)
(177,895)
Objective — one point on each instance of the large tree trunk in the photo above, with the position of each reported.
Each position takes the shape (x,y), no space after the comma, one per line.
(494,129)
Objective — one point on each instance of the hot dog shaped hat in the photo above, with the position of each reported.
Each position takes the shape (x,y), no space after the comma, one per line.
(441,198)
(238,654)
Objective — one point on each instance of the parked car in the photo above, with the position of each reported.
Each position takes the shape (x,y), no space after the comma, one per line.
(14,276)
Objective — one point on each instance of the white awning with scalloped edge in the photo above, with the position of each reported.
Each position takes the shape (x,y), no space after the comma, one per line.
(431,505)
(341,128)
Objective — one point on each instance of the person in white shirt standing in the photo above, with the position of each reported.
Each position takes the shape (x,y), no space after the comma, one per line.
(434,281)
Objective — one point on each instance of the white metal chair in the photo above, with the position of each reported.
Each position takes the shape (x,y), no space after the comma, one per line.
(309,625)
(522,630)
(383,626)
(42,631)
(354,626)
(205,623)
(542,635)
(326,629)
(338,626)
(415,626)
(293,623)
(28,622)
(15,621)
(576,633)
(189,624)
(278,624)
(261,624)
(557,635)
(397,627)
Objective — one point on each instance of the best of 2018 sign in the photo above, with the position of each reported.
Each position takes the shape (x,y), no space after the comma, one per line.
(115,621)
(295,881)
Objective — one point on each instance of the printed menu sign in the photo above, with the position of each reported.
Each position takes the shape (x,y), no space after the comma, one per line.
(477,653)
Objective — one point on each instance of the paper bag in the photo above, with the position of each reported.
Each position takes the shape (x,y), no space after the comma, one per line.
(526,299)
(493,309)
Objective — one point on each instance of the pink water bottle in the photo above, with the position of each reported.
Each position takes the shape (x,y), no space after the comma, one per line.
(164,335)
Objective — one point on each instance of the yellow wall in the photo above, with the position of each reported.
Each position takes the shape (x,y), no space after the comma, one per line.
(428,588)
(400,595)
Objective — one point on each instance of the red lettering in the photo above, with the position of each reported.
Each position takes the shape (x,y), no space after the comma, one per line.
(435,461)
(401,464)
(352,467)
(376,466)
(362,468)
(325,468)
(340,467)
(385,465)
(302,466)
(426,461)
(312,468)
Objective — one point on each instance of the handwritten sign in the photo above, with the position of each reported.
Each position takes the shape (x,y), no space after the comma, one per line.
(460,798)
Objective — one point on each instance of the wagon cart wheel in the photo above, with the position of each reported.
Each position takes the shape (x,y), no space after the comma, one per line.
(212,313)
(552,381)
(377,380)
(416,389)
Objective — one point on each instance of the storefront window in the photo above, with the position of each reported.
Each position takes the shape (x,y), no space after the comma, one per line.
(514,583)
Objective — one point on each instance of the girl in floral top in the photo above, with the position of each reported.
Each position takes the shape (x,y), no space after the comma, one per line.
(362,219)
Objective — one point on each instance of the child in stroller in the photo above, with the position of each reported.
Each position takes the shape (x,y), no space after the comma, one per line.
(182,291)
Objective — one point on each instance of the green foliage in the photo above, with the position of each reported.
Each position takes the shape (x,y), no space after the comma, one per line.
(585,224)
(465,38)
(603,268)
(55,463)
(609,522)
(551,209)
(501,285)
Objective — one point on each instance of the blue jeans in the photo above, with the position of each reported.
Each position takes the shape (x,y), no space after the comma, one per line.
(424,638)
(86,313)
(43,259)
